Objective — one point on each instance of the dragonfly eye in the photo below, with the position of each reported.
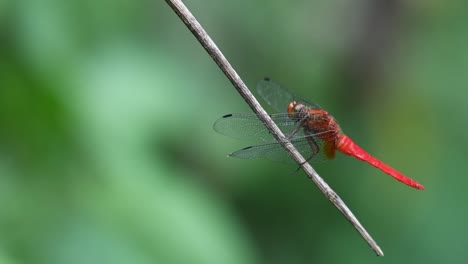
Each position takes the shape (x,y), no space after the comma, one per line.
(292,107)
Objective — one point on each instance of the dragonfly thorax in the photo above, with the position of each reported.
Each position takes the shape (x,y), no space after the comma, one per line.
(314,121)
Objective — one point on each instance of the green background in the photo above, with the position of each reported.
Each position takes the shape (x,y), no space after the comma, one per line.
(107,153)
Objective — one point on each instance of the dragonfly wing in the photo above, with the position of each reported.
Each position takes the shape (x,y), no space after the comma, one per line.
(248,126)
(275,95)
(275,151)
(278,96)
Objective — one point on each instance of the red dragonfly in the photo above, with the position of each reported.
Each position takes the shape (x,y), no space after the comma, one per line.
(310,129)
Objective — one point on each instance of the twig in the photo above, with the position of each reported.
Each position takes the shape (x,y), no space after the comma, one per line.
(190,21)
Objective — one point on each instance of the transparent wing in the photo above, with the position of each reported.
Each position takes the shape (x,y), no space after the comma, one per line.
(248,126)
(279,97)
(276,152)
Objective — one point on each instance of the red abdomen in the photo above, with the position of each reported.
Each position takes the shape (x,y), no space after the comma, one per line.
(348,147)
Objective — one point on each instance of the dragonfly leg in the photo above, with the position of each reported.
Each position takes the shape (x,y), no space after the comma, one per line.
(313,145)
(301,122)
(295,171)
(300,165)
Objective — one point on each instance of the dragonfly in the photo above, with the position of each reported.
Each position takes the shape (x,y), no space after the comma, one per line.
(312,130)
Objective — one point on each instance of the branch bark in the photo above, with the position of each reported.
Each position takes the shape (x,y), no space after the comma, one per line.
(190,21)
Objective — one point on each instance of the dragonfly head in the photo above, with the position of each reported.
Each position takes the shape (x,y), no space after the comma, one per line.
(295,107)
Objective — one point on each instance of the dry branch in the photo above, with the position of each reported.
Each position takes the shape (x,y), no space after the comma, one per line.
(190,21)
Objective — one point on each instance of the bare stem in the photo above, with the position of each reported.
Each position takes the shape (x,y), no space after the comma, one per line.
(190,21)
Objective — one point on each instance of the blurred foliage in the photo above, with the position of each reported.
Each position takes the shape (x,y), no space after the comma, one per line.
(107,154)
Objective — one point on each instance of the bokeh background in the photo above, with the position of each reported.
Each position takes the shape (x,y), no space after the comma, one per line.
(107,153)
